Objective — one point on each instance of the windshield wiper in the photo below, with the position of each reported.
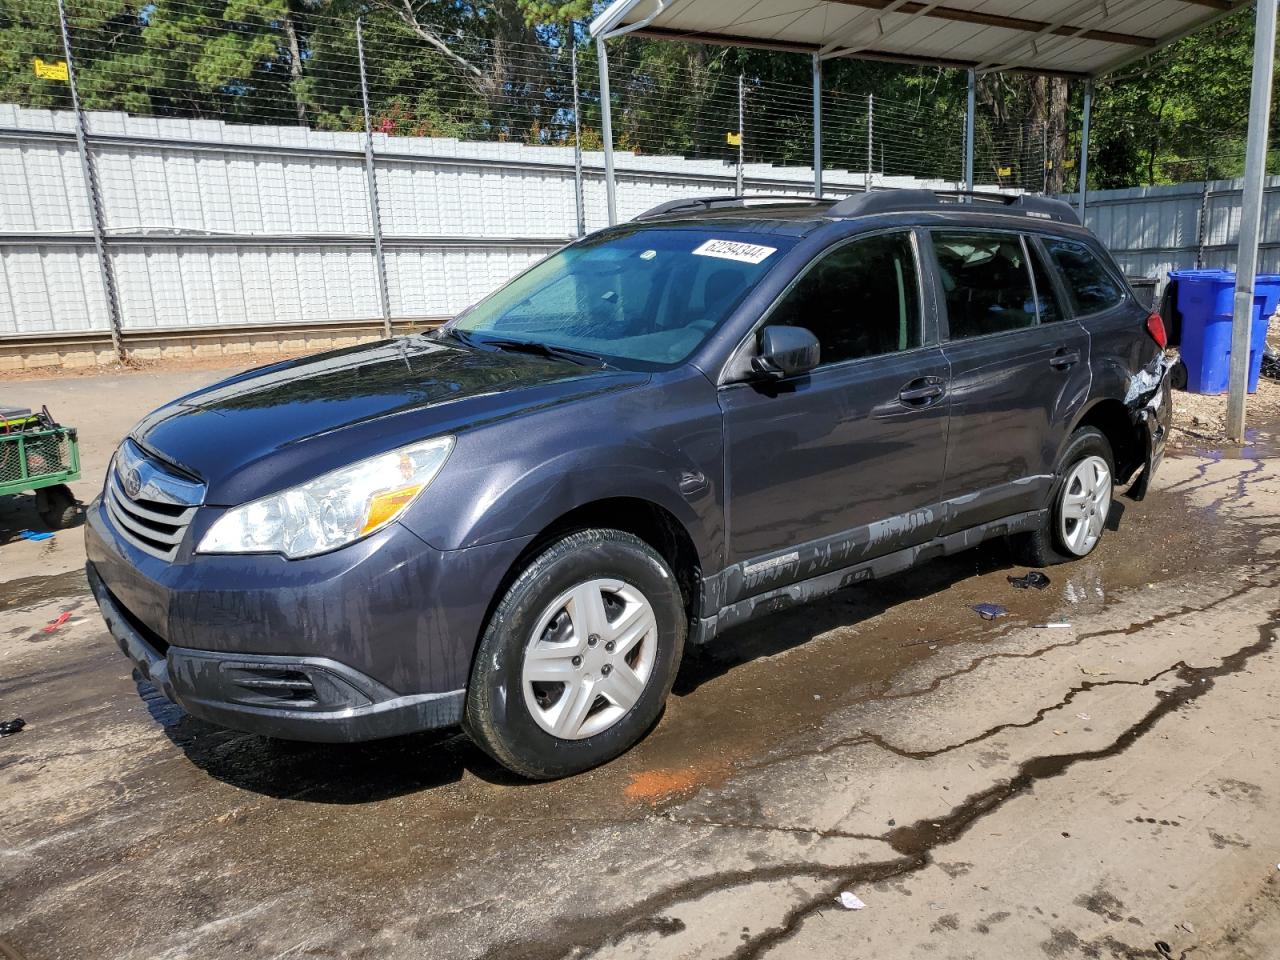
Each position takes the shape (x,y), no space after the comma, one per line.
(582,357)
(460,335)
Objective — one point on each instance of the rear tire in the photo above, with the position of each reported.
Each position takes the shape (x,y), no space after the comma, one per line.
(57,506)
(578,657)
(1078,504)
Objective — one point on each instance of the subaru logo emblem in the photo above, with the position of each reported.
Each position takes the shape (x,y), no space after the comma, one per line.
(132,481)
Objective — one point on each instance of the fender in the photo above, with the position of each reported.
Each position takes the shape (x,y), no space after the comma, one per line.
(1137,391)
(659,441)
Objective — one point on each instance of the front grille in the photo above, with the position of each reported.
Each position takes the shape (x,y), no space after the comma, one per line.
(155,519)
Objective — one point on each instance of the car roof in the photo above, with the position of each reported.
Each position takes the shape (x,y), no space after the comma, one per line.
(800,216)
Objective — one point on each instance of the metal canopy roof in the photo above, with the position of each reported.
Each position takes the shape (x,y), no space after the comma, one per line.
(1083,38)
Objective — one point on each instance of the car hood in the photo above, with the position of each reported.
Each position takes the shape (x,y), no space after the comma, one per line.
(269,428)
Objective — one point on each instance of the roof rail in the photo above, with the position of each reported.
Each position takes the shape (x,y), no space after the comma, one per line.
(724,202)
(894,201)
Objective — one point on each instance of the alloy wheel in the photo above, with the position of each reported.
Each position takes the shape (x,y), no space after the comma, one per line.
(589,658)
(1086,500)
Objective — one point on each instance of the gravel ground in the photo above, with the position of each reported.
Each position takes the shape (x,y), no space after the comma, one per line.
(1203,416)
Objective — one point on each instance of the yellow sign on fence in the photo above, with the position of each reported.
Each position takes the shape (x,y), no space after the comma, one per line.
(50,71)
(1004,171)
(733,139)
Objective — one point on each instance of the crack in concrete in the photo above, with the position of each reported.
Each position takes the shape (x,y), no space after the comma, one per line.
(914,843)
(771,828)
(1039,715)
(863,738)
(917,841)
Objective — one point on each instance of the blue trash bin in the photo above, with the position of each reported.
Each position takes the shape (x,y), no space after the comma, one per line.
(1206,300)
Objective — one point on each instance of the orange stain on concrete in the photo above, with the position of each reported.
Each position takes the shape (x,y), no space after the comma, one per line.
(650,786)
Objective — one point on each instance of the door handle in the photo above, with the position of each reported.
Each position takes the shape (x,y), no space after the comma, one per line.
(1064,359)
(922,395)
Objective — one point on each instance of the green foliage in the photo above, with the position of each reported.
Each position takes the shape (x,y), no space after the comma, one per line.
(499,70)
(1181,115)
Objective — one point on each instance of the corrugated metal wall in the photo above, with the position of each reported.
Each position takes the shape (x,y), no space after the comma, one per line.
(1152,230)
(220,225)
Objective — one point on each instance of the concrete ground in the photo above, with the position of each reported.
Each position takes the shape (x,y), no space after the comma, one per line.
(1107,789)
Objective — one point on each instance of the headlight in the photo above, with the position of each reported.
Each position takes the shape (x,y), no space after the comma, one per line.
(332,510)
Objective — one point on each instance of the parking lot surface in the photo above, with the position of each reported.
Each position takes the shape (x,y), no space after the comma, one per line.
(1104,788)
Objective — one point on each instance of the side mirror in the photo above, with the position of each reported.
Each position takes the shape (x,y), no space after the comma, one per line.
(785,352)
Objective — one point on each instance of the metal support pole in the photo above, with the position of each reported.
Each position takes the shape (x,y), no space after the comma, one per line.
(817,126)
(1084,145)
(380,260)
(871,113)
(578,203)
(1255,172)
(970,110)
(606,132)
(742,128)
(90,173)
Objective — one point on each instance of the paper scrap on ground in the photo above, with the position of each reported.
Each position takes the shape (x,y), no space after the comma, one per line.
(850,902)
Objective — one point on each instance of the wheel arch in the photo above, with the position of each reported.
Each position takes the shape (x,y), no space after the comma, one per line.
(646,519)
(1115,422)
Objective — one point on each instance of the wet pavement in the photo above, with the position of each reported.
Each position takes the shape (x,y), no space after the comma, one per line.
(1103,789)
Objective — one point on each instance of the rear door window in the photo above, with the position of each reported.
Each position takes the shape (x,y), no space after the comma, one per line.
(986,280)
(860,300)
(1089,284)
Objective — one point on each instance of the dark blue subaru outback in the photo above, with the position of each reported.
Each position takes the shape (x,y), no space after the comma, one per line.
(723,408)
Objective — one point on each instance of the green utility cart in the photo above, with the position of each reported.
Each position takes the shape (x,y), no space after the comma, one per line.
(37,453)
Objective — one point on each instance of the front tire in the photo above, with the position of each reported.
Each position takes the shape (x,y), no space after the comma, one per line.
(1078,505)
(579,656)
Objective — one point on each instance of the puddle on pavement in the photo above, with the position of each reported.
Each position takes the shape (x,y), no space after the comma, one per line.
(29,591)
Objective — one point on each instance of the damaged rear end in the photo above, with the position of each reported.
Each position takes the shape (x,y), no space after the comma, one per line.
(1149,402)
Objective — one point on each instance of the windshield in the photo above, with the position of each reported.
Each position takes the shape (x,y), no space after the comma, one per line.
(650,296)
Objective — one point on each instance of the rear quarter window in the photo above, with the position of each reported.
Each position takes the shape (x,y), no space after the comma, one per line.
(1090,285)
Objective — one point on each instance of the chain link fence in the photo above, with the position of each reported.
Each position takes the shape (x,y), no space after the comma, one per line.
(242,163)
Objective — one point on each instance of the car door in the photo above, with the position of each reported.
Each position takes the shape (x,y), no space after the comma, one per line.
(1019,373)
(843,463)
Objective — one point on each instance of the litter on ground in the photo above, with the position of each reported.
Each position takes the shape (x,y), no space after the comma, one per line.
(850,902)
(1032,578)
(58,621)
(989,611)
(10,727)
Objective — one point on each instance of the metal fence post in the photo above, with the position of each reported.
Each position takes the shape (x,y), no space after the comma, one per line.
(1255,183)
(1202,221)
(579,205)
(969,122)
(871,113)
(90,174)
(1044,157)
(375,215)
(741,134)
(817,126)
(1084,146)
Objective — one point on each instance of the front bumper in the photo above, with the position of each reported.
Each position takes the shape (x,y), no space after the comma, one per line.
(292,697)
(370,641)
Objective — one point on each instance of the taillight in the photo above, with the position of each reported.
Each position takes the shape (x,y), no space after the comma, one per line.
(1155,327)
